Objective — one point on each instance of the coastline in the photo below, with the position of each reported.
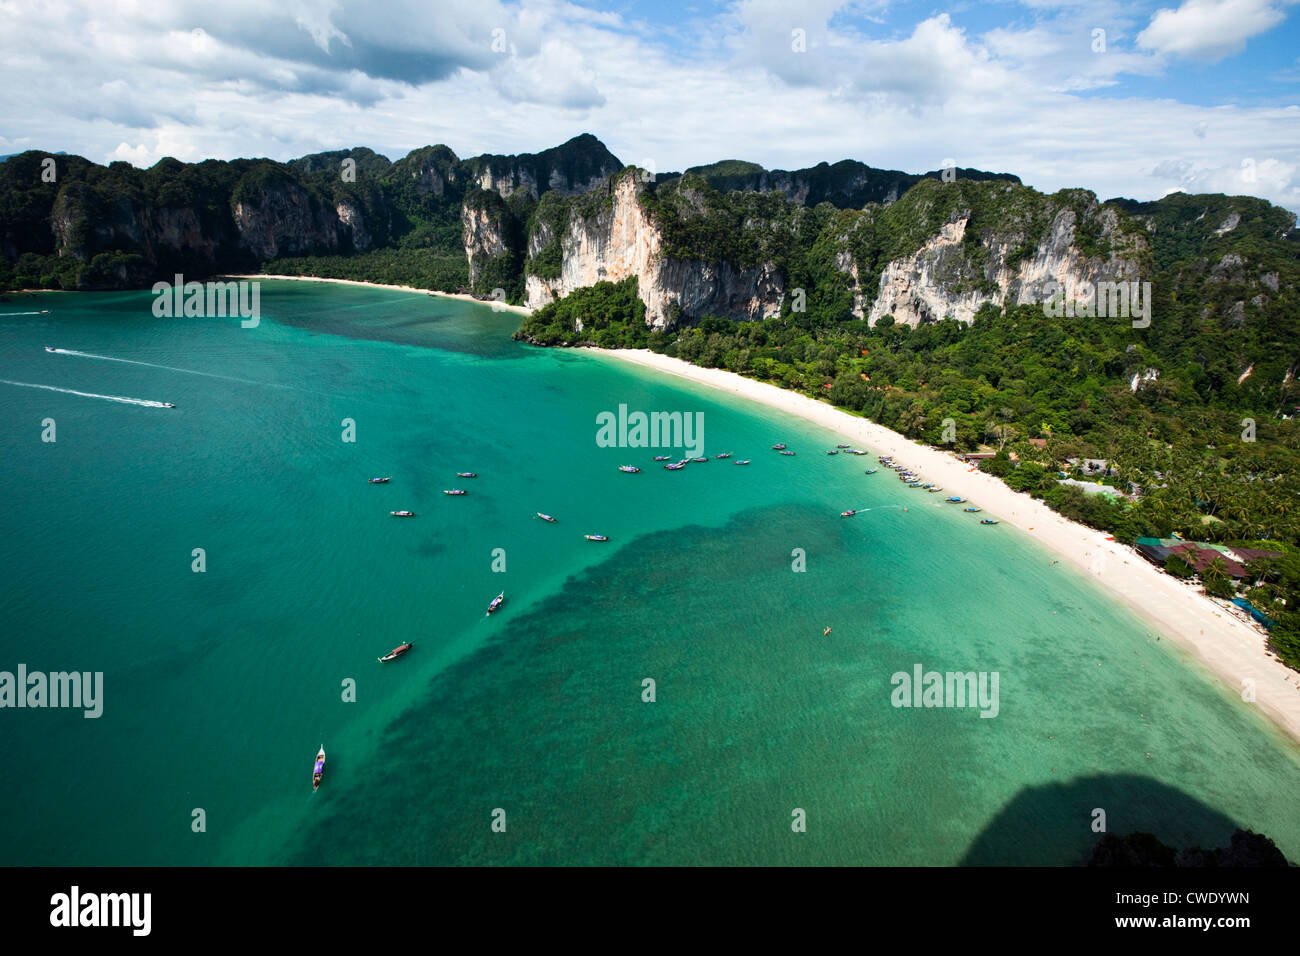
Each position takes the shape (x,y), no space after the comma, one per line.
(1229,648)
(500,306)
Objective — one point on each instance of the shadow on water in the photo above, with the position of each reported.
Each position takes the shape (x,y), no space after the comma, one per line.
(1052,825)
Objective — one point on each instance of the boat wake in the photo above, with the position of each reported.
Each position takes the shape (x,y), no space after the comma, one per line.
(169,368)
(108,398)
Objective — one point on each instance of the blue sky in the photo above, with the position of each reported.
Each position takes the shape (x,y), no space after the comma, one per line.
(1198,95)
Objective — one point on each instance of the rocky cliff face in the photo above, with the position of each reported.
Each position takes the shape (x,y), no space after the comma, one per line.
(575,167)
(483,235)
(617,237)
(947,278)
(286,221)
(976,244)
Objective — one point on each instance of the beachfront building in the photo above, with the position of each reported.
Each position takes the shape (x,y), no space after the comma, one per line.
(1200,555)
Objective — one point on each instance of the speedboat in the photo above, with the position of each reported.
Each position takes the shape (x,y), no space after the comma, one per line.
(402,514)
(972,511)
(743,461)
(662,458)
(380,481)
(168,405)
(790,453)
(546,517)
(496,602)
(778,447)
(630,469)
(466,474)
(397,651)
(848,514)
(454,491)
(49,348)
(319,770)
(989,521)
(725,454)
(596,537)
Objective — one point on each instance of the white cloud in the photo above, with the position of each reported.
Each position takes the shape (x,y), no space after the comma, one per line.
(116,81)
(1209,30)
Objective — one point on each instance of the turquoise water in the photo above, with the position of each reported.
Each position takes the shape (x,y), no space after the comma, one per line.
(219,686)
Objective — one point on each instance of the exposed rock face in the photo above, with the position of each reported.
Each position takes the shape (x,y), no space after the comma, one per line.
(286,222)
(353,223)
(483,237)
(916,289)
(578,166)
(943,279)
(620,239)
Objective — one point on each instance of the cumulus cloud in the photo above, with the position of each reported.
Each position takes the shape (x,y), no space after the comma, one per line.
(130,81)
(1209,30)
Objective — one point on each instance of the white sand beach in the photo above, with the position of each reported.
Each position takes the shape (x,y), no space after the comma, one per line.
(502,306)
(1231,649)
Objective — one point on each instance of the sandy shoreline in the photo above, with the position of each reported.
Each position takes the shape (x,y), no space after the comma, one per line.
(1230,649)
(501,306)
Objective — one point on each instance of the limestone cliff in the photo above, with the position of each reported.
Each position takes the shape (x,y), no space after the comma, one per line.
(611,235)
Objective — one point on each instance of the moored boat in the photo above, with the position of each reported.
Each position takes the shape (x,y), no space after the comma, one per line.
(319,770)
(989,521)
(956,499)
(778,447)
(662,458)
(380,481)
(701,459)
(630,469)
(743,461)
(725,454)
(973,511)
(789,453)
(546,517)
(402,514)
(870,471)
(496,603)
(466,474)
(832,452)
(454,491)
(397,651)
(596,537)
(677,467)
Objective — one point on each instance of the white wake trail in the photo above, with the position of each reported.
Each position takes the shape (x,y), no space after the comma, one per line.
(108,398)
(169,368)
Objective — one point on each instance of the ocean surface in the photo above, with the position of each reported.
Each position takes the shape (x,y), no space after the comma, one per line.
(767,741)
